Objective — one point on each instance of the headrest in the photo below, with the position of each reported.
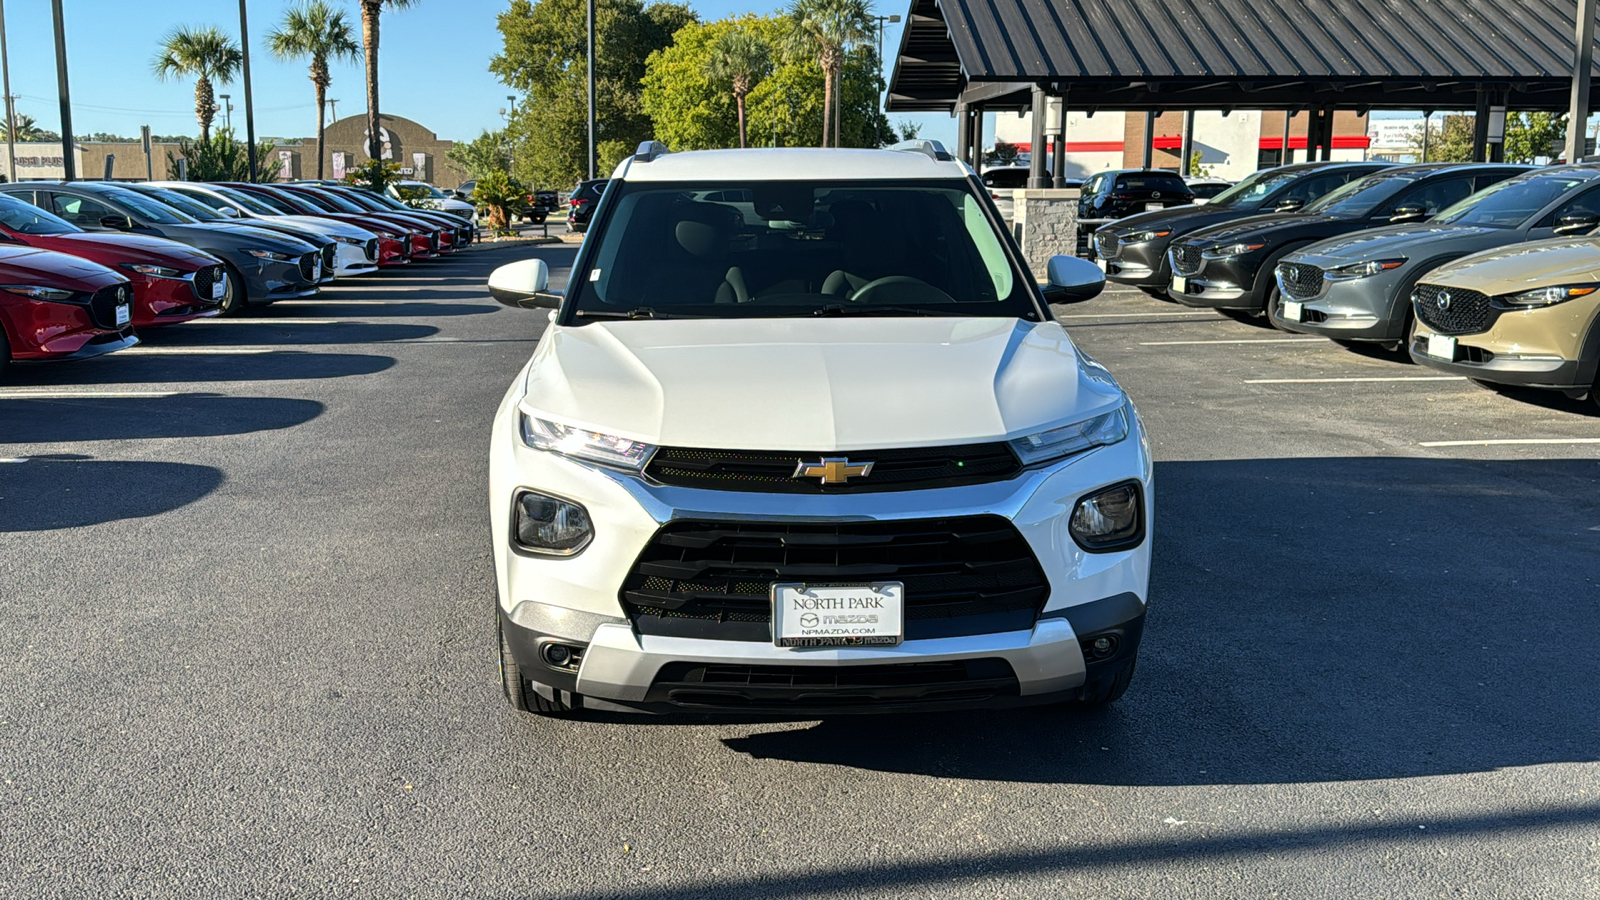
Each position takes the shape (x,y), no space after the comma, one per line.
(703,229)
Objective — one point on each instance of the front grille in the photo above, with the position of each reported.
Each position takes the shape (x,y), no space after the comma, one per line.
(433,242)
(1186,259)
(308,267)
(205,280)
(103,305)
(727,686)
(774,471)
(465,237)
(1452,310)
(371,249)
(328,254)
(1301,281)
(962,576)
(1105,245)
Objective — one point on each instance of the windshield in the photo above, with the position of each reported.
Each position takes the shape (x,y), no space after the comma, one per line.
(308,199)
(337,201)
(1254,190)
(25,218)
(1509,203)
(1359,197)
(281,206)
(183,204)
(151,210)
(247,202)
(800,248)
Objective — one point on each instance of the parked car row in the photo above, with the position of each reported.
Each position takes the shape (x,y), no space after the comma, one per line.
(1490,271)
(86,265)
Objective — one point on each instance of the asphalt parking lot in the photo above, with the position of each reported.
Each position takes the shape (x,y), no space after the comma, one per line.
(246,598)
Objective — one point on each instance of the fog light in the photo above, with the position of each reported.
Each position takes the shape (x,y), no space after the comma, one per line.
(1102,647)
(1111,519)
(549,525)
(562,656)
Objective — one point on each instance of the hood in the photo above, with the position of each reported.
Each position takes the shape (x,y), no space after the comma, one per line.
(1181,219)
(131,248)
(1399,240)
(297,231)
(830,383)
(1265,225)
(47,268)
(1523,267)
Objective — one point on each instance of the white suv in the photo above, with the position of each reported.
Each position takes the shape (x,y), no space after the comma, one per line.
(803,438)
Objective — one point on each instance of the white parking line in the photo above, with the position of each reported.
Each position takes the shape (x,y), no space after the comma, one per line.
(1253,341)
(196,351)
(1197,312)
(216,321)
(1348,380)
(14,459)
(327,300)
(1497,441)
(79,395)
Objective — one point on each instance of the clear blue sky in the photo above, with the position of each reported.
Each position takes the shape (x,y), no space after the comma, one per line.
(434,65)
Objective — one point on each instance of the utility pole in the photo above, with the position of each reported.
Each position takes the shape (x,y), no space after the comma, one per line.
(882,19)
(333,110)
(1582,69)
(227,110)
(11,116)
(69,163)
(249,110)
(594,161)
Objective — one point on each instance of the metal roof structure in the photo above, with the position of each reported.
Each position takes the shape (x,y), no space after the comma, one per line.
(1246,54)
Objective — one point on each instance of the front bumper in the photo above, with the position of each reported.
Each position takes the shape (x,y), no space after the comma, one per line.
(1555,347)
(267,280)
(1354,309)
(351,259)
(1218,284)
(1140,265)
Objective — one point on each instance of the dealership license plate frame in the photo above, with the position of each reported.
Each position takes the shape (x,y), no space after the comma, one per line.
(1153,206)
(124,314)
(1441,346)
(883,619)
(1180,285)
(1293,311)
(219,288)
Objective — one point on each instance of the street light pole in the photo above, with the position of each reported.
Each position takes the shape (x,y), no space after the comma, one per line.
(11,117)
(881,20)
(249,108)
(594,161)
(1582,70)
(227,110)
(69,164)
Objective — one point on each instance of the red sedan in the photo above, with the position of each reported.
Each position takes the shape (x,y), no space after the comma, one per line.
(172,282)
(55,306)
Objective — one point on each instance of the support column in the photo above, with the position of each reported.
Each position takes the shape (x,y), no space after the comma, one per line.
(1498,113)
(1148,152)
(977,139)
(1284,153)
(1058,153)
(1186,151)
(1038,174)
(1326,143)
(1480,128)
(1582,69)
(963,131)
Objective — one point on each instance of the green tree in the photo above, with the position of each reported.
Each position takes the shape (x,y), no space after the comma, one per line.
(27,129)
(1003,154)
(499,194)
(1531,136)
(220,157)
(908,131)
(1448,141)
(482,155)
(207,55)
(827,30)
(739,59)
(319,32)
(374,175)
(371,12)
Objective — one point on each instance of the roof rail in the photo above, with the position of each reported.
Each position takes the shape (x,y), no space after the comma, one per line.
(649,151)
(932,149)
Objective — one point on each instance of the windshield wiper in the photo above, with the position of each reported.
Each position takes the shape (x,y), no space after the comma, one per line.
(839,309)
(643,312)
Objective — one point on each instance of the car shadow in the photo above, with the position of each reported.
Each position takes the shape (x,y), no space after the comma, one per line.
(58,419)
(46,494)
(407,308)
(1313,620)
(262,331)
(155,368)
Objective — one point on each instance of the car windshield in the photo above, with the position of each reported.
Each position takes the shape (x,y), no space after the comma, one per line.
(184,204)
(151,210)
(800,248)
(25,218)
(277,204)
(1254,190)
(308,199)
(334,200)
(1509,203)
(247,203)
(1361,196)
(367,200)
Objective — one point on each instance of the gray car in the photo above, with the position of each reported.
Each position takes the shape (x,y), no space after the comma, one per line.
(1358,288)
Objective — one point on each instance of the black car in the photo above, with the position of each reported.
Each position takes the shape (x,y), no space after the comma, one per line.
(1123,192)
(1231,266)
(580,206)
(1133,251)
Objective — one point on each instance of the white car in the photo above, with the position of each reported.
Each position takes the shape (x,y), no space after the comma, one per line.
(357,253)
(802,437)
(422,195)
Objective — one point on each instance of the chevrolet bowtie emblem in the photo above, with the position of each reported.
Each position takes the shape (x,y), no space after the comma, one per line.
(832,470)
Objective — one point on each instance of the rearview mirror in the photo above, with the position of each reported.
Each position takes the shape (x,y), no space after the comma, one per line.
(119,223)
(1408,214)
(524,284)
(1576,224)
(1293,204)
(1072,280)
(229,212)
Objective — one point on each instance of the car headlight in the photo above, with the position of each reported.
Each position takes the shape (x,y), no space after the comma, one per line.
(1110,519)
(1549,296)
(1140,237)
(588,445)
(37,292)
(268,254)
(1363,269)
(1108,428)
(349,240)
(549,525)
(1223,251)
(158,271)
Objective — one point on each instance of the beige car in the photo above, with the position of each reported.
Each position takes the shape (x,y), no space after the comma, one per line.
(1526,315)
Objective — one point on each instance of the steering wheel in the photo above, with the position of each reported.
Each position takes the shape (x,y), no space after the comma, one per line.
(899,290)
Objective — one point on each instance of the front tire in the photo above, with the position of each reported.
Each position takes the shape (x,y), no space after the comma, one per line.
(1109,688)
(518,690)
(234,299)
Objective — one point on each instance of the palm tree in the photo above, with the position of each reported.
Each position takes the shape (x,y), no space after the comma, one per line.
(205,53)
(27,129)
(740,59)
(827,29)
(370,11)
(316,30)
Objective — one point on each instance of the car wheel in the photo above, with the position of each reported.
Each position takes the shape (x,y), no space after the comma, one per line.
(1156,292)
(1274,297)
(519,692)
(1109,687)
(234,300)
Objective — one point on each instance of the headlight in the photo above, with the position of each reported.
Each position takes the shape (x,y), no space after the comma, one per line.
(1363,269)
(37,292)
(158,271)
(1549,296)
(1223,251)
(1140,237)
(1056,443)
(268,254)
(1111,519)
(549,525)
(349,240)
(592,446)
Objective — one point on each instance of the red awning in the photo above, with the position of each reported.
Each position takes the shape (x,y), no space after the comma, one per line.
(1340,142)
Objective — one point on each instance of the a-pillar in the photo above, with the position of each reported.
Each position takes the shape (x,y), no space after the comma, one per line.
(1038,173)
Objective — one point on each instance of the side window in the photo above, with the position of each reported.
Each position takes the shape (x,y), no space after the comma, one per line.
(1433,196)
(81,211)
(1309,189)
(1585,204)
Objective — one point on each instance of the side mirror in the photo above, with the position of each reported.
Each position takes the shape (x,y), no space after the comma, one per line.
(1293,204)
(525,284)
(1576,224)
(229,212)
(1408,214)
(1072,280)
(117,223)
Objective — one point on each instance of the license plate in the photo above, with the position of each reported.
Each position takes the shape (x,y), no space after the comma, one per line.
(316,270)
(124,314)
(219,288)
(838,615)
(1150,206)
(1180,285)
(1101,263)
(1292,311)
(1441,347)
